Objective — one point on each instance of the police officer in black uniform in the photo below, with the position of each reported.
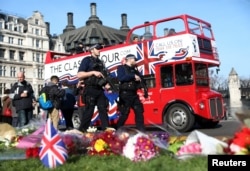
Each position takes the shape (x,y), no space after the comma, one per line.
(129,79)
(90,71)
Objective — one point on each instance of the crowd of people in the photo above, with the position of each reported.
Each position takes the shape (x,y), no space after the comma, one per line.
(87,94)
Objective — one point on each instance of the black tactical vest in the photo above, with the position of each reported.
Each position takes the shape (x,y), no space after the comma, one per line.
(130,85)
(95,64)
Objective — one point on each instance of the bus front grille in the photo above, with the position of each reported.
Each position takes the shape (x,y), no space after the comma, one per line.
(216,107)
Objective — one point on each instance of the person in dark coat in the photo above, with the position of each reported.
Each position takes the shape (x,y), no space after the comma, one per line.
(90,70)
(68,104)
(130,80)
(23,96)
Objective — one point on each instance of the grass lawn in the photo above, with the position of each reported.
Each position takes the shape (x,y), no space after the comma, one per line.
(163,162)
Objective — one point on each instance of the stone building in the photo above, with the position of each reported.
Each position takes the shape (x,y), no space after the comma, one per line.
(23,46)
(234,88)
(93,32)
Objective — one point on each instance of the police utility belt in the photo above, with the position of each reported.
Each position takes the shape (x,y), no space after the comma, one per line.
(128,86)
(94,81)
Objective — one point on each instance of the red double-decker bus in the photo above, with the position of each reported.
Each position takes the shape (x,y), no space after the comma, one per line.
(174,56)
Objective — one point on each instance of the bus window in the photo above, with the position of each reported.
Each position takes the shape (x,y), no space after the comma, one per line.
(183,74)
(145,32)
(201,74)
(170,27)
(150,80)
(167,76)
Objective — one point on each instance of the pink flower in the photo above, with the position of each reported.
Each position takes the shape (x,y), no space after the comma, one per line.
(193,148)
(140,148)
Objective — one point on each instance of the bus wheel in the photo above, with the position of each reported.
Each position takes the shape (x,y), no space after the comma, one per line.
(179,117)
(76,120)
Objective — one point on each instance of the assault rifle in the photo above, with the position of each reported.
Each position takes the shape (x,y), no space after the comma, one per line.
(142,82)
(108,79)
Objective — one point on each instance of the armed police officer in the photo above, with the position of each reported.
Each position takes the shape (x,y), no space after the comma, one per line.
(90,71)
(130,80)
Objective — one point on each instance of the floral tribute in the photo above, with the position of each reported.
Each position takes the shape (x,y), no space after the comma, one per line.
(106,143)
(240,143)
(140,148)
(32,152)
(73,143)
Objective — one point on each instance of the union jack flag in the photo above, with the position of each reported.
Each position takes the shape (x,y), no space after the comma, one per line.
(53,151)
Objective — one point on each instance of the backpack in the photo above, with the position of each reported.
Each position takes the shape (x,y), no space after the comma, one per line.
(43,100)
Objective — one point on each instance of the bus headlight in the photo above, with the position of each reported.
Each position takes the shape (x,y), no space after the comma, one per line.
(201,105)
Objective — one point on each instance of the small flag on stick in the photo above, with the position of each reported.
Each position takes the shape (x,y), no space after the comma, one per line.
(53,151)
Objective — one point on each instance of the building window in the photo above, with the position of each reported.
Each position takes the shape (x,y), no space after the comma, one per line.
(36,21)
(13,71)
(2,87)
(37,43)
(21,56)
(1,38)
(37,32)
(20,41)
(42,56)
(12,54)
(19,28)
(2,53)
(40,72)
(37,57)
(11,27)
(11,40)
(40,86)
(22,69)
(1,25)
(2,70)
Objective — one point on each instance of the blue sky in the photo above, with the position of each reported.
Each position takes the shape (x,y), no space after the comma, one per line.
(230,20)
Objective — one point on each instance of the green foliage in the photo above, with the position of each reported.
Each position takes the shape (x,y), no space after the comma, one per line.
(111,163)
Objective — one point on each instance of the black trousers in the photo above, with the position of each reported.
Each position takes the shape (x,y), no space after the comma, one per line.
(94,97)
(128,100)
(67,114)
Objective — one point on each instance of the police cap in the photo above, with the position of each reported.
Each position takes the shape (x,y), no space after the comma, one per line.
(129,56)
(96,46)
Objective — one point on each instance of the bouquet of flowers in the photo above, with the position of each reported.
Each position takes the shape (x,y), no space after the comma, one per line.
(160,139)
(105,143)
(240,143)
(73,143)
(32,152)
(140,147)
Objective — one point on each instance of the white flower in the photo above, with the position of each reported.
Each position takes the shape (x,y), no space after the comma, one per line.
(91,129)
(235,148)
(7,143)
(25,130)
(130,147)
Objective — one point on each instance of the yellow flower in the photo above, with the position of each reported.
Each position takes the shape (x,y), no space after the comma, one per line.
(100,145)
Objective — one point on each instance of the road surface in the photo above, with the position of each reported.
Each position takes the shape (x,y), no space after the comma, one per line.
(226,128)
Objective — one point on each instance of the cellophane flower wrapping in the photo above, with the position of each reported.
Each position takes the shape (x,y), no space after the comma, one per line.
(140,147)
(73,143)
